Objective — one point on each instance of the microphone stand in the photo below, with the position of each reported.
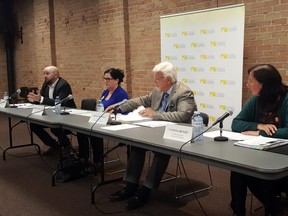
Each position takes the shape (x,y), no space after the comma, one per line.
(220,138)
(44,110)
(13,106)
(64,111)
(115,122)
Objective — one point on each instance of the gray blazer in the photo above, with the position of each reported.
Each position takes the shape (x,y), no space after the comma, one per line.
(180,106)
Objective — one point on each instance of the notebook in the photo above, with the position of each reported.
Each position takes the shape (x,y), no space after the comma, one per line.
(262,143)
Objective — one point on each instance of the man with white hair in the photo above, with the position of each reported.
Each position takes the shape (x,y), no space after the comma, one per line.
(53,86)
(169,101)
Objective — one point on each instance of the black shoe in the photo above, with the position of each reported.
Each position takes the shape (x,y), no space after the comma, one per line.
(125,193)
(141,198)
(136,202)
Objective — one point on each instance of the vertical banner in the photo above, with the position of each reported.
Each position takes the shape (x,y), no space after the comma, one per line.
(206,48)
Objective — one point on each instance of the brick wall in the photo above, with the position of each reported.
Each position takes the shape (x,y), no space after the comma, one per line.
(84,38)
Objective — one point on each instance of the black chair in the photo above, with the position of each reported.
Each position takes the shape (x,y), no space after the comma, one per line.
(205,118)
(23,94)
(89,104)
(86,104)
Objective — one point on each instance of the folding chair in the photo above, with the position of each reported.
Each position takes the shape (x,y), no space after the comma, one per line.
(178,170)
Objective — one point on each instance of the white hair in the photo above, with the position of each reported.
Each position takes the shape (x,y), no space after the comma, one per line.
(167,69)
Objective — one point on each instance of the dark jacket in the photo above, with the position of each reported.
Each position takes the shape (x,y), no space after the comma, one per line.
(62,89)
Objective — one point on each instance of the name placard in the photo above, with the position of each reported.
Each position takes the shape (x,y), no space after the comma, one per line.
(38,110)
(99,118)
(178,132)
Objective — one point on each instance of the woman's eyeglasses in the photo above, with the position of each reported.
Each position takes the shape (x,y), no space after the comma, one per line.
(107,79)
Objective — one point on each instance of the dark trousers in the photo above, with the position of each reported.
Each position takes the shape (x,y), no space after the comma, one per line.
(266,191)
(96,145)
(136,163)
(45,137)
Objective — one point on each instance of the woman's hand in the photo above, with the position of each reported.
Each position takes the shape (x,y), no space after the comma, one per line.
(269,129)
(251,133)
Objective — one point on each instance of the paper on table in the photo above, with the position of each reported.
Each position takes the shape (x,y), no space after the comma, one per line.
(120,127)
(154,123)
(229,134)
(133,116)
(80,112)
(25,105)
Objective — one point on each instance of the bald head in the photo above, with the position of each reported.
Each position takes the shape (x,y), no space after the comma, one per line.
(51,74)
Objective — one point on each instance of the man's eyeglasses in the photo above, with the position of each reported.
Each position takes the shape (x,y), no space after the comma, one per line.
(159,78)
(107,79)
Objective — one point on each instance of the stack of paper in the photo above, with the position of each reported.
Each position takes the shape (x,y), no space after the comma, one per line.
(262,143)
(133,116)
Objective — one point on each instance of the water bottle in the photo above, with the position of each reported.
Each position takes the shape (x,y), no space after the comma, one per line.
(6,98)
(197,124)
(58,106)
(100,106)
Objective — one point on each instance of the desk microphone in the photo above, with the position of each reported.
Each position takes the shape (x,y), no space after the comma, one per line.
(12,96)
(64,100)
(40,110)
(117,105)
(229,112)
(221,138)
(15,93)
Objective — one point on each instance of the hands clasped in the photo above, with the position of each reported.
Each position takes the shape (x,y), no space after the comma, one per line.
(32,97)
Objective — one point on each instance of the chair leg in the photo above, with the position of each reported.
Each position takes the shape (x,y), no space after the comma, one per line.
(195,191)
(173,176)
(266,213)
(117,159)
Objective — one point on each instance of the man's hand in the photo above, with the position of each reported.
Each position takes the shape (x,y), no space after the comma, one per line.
(147,112)
(109,109)
(32,97)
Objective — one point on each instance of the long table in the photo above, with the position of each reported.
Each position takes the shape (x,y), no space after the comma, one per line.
(23,115)
(261,164)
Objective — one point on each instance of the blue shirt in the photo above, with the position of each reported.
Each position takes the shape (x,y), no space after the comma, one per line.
(117,96)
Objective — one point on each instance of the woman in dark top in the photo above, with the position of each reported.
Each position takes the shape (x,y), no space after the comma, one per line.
(266,114)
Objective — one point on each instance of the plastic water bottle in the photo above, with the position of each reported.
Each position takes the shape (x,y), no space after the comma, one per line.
(197,124)
(6,98)
(100,106)
(58,106)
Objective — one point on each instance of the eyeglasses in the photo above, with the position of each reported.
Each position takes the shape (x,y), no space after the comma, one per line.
(159,78)
(107,79)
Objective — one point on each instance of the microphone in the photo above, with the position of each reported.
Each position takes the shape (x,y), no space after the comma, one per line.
(117,105)
(12,96)
(69,97)
(229,112)
(15,93)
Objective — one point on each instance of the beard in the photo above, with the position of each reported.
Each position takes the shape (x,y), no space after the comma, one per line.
(48,82)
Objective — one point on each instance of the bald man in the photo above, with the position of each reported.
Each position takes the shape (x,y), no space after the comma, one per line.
(53,86)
